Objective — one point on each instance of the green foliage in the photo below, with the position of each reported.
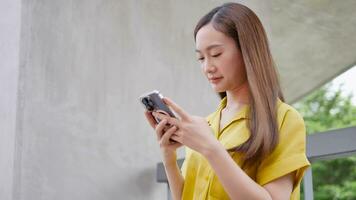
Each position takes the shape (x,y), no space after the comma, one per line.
(325,110)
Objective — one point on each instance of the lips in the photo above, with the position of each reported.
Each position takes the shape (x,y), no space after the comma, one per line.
(215,79)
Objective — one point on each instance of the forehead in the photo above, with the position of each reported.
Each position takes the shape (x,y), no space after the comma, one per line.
(208,35)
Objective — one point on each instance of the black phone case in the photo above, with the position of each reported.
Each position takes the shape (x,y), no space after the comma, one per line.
(157,104)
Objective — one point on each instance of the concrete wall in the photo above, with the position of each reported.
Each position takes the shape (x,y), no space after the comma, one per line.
(10,15)
(81,133)
(313,42)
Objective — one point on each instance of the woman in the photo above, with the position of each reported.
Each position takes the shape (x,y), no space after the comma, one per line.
(253,145)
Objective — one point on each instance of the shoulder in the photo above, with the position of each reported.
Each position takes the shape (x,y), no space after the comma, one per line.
(287,112)
(287,115)
(290,122)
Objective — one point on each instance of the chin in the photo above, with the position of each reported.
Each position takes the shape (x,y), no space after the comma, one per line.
(219,89)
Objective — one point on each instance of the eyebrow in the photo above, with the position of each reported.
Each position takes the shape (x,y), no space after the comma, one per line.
(210,47)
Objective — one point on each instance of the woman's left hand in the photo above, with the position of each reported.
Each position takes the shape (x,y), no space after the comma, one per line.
(193,131)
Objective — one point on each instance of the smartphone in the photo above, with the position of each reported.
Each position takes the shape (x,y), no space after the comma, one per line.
(152,101)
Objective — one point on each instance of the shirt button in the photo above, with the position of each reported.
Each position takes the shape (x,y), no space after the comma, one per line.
(206,178)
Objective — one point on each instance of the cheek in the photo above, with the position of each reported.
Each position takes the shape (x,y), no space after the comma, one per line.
(233,71)
(228,65)
(238,64)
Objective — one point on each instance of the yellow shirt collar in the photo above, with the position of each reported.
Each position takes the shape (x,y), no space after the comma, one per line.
(214,118)
(239,115)
(243,113)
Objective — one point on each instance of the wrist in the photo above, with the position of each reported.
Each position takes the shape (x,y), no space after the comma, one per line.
(211,150)
(169,157)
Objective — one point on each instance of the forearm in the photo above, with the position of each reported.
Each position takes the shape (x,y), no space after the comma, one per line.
(234,180)
(175,178)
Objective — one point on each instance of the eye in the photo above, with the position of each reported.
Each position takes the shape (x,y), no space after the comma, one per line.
(216,55)
(201,59)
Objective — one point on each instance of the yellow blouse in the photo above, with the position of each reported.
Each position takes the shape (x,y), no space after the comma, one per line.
(202,183)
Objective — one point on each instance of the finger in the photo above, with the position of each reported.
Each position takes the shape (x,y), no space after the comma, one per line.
(170,120)
(176,108)
(159,128)
(176,145)
(167,135)
(176,138)
(150,119)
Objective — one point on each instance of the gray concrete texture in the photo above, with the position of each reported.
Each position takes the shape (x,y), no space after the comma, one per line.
(10,19)
(312,42)
(80,130)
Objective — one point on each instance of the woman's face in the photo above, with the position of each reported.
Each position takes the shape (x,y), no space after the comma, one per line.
(220,59)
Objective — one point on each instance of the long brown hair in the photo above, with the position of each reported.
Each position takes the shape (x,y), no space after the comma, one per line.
(242,24)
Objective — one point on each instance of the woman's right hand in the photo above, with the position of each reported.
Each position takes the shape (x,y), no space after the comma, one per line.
(164,134)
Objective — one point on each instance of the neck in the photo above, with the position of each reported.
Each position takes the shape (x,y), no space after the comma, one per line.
(237,97)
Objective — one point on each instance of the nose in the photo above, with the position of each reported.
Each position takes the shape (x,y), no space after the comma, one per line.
(208,66)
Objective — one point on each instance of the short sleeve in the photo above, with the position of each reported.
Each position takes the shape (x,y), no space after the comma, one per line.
(289,154)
